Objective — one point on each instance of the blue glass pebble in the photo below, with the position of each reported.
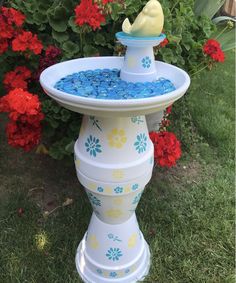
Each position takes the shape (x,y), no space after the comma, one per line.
(106,84)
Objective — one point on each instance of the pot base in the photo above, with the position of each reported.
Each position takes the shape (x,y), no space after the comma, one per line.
(93,270)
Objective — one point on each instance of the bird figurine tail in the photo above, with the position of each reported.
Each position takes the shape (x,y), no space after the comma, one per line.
(126,26)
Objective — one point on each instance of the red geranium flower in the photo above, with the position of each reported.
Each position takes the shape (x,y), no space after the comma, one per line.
(89,13)
(23,135)
(27,41)
(22,106)
(17,78)
(213,49)
(13,16)
(164,42)
(166,148)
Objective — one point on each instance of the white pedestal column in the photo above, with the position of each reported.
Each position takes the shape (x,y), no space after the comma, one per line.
(114,162)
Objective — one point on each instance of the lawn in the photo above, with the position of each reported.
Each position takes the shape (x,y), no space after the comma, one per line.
(186,213)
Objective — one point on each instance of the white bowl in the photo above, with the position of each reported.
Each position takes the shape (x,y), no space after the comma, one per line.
(111,108)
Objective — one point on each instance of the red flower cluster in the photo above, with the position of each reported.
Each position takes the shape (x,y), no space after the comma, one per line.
(12,34)
(166,148)
(213,49)
(11,21)
(27,41)
(22,135)
(24,108)
(89,13)
(164,42)
(17,78)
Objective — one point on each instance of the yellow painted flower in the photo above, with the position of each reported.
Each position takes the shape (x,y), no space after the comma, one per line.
(93,243)
(117,138)
(132,241)
(118,201)
(118,174)
(114,213)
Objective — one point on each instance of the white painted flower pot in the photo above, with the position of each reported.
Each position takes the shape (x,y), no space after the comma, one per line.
(114,162)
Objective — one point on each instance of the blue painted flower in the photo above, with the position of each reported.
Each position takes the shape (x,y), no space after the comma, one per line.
(118,190)
(127,270)
(99,271)
(135,187)
(93,199)
(141,143)
(137,198)
(137,120)
(114,254)
(93,146)
(100,189)
(146,62)
(113,274)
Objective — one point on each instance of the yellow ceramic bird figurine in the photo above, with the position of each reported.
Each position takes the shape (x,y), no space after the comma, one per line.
(148,23)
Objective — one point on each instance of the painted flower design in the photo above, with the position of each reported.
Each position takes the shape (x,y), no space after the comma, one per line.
(113,274)
(99,271)
(93,199)
(135,187)
(146,62)
(114,254)
(117,138)
(114,213)
(93,146)
(141,143)
(137,198)
(137,120)
(127,270)
(100,189)
(118,190)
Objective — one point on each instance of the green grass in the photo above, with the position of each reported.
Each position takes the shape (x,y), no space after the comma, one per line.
(186,213)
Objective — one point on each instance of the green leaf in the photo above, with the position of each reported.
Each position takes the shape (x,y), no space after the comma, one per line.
(99,39)
(60,36)
(227,40)
(89,50)
(70,147)
(207,7)
(70,47)
(58,25)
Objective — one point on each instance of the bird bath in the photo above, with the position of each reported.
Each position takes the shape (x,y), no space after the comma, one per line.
(114,158)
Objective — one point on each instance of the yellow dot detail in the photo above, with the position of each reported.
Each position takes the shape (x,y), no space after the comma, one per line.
(117,138)
(114,213)
(108,190)
(93,242)
(105,274)
(92,186)
(127,189)
(119,273)
(133,268)
(132,240)
(118,174)
(131,62)
(77,162)
(118,201)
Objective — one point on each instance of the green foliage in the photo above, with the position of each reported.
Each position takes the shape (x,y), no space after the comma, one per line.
(61,128)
